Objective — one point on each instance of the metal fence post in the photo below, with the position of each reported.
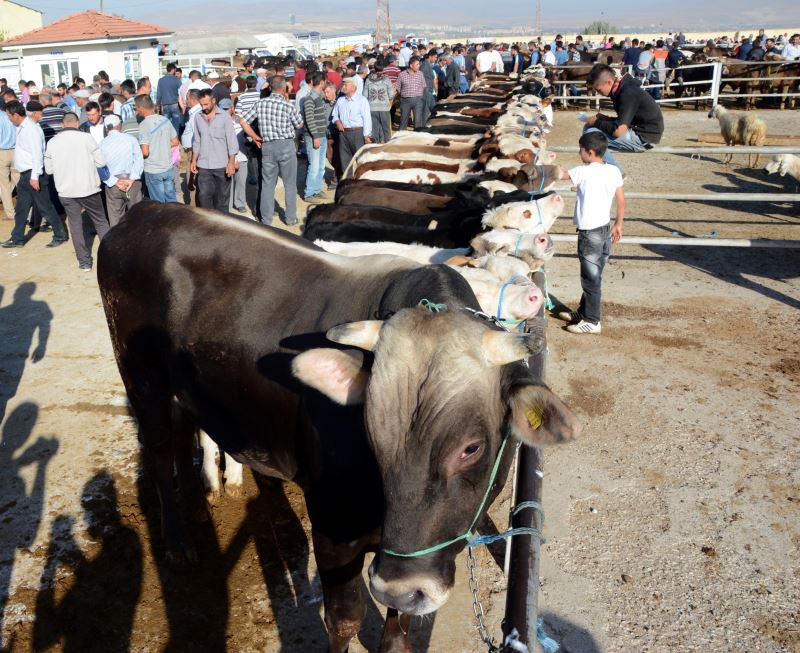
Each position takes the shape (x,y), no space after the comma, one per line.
(715,83)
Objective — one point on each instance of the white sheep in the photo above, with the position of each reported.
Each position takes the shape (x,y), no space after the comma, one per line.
(740,129)
(784,164)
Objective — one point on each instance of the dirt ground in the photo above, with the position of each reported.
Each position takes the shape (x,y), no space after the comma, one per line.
(671,525)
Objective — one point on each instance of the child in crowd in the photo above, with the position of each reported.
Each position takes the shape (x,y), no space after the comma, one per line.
(597,184)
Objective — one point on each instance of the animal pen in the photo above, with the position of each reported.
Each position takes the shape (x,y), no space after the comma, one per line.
(716,83)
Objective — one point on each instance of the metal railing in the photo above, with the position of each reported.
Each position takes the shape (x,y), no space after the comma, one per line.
(717,82)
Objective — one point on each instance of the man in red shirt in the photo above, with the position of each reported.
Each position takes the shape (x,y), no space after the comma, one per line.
(392,71)
(332,75)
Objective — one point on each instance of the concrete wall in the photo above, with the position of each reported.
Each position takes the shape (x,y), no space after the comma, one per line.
(16,19)
(92,58)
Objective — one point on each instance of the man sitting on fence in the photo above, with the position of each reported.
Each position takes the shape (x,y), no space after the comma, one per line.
(639,123)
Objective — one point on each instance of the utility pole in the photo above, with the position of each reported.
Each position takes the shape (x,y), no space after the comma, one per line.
(537,28)
(383,22)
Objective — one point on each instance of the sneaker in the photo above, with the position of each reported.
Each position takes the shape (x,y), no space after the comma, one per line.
(584,327)
(85,267)
(291,223)
(314,199)
(12,243)
(569,316)
(321,195)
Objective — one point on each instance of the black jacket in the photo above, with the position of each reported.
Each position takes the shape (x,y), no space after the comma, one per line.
(636,109)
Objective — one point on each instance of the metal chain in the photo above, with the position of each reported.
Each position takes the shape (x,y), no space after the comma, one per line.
(477,606)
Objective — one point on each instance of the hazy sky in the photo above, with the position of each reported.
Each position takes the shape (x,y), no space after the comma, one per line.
(672,14)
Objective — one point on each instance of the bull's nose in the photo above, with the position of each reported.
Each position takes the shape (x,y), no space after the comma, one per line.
(541,239)
(558,199)
(534,296)
(412,602)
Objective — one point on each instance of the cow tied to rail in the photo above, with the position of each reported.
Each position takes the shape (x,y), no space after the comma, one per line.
(326,370)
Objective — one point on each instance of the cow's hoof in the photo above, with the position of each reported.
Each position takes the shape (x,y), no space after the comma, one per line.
(183,559)
(212,497)
(234,491)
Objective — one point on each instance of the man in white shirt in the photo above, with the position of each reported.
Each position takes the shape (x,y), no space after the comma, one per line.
(792,49)
(405,56)
(489,60)
(73,158)
(33,185)
(549,57)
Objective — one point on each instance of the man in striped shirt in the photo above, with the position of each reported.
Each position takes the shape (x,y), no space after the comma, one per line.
(278,118)
(249,97)
(411,87)
(128,110)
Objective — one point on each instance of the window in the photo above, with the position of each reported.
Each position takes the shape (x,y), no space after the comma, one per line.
(133,65)
(57,72)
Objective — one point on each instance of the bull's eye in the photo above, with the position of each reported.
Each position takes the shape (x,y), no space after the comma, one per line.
(470,451)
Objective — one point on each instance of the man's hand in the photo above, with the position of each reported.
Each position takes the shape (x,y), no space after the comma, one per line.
(340,125)
(230,169)
(35,184)
(124,184)
(368,139)
(616,232)
(193,167)
(316,143)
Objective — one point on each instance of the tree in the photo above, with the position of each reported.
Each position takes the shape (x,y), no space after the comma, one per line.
(600,27)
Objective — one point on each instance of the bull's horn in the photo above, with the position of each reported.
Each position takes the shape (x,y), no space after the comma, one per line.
(363,335)
(501,348)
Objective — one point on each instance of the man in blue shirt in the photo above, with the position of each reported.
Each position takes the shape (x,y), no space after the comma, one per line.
(125,162)
(631,57)
(167,96)
(8,173)
(561,54)
(352,118)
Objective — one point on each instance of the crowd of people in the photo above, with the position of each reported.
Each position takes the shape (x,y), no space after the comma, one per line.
(94,150)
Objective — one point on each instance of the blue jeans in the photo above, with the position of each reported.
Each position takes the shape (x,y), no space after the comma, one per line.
(161,185)
(172,112)
(316,165)
(594,248)
(628,142)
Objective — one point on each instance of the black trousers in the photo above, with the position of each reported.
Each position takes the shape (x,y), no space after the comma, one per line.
(213,189)
(27,198)
(349,143)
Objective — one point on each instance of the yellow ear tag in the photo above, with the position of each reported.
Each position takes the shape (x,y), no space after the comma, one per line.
(534,416)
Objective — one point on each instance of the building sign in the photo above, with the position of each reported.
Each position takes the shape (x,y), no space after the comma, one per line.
(56,52)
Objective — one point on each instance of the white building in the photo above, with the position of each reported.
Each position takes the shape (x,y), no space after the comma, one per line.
(83,44)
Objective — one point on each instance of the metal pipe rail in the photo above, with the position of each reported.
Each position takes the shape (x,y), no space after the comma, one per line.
(714,149)
(691,241)
(704,197)
(522,593)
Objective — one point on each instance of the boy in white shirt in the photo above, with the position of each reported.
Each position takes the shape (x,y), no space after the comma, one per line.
(598,184)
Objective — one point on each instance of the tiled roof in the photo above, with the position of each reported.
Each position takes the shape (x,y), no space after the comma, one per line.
(85,26)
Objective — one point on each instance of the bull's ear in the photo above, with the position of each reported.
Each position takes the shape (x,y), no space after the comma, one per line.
(539,417)
(335,373)
(363,335)
(501,348)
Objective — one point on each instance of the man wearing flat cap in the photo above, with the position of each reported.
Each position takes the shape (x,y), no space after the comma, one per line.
(352,118)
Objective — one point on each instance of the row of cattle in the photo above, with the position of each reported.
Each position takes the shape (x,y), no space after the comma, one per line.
(772,77)
(471,190)
(375,382)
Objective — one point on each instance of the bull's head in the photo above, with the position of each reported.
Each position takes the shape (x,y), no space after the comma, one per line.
(443,389)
